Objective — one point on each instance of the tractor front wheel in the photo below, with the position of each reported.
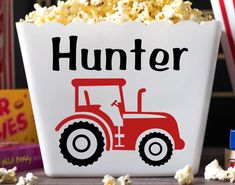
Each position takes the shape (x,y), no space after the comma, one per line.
(81,143)
(155,149)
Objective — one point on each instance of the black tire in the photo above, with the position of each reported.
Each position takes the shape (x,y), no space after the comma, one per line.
(65,150)
(166,157)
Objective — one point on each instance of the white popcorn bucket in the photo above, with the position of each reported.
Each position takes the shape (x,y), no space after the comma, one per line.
(120,99)
(224,11)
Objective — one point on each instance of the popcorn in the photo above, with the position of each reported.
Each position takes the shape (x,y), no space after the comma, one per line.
(7,176)
(84,2)
(30,179)
(185,175)
(109,180)
(119,11)
(231,174)
(123,180)
(97,2)
(214,171)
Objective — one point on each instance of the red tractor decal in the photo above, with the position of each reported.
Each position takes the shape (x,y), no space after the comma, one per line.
(154,134)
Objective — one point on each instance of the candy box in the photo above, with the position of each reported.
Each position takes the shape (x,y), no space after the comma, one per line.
(120,99)
(224,11)
(16,116)
(23,156)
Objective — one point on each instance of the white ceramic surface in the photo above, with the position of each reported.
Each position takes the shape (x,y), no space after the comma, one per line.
(183,94)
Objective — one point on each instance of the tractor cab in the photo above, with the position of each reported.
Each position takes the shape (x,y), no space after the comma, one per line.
(94,95)
(88,97)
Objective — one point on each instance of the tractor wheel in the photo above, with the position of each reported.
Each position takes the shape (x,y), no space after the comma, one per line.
(81,143)
(155,149)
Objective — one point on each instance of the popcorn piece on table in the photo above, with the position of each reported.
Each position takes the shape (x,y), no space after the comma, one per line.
(185,176)
(124,180)
(214,171)
(109,180)
(30,179)
(7,176)
(231,174)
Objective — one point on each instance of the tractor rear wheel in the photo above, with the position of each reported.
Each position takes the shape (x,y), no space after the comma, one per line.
(81,143)
(155,149)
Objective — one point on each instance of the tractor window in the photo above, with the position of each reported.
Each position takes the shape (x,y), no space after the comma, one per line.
(99,95)
(103,96)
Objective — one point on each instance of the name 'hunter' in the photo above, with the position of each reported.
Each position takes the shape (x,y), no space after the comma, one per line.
(158,59)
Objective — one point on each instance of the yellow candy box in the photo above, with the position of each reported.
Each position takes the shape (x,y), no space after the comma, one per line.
(16,117)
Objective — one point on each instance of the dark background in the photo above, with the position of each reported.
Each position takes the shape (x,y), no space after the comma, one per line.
(222,108)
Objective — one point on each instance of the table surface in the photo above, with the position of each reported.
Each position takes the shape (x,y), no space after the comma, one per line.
(208,155)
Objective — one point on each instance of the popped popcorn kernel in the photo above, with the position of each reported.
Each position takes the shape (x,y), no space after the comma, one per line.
(7,176)
(97,2)
(231,174)
(117,11)
(122,180)
(185,176)
(30,179)
(84,2)
(109,180)
(214,171)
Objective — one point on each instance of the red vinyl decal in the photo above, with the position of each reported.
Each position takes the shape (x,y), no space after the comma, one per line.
(154,134)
